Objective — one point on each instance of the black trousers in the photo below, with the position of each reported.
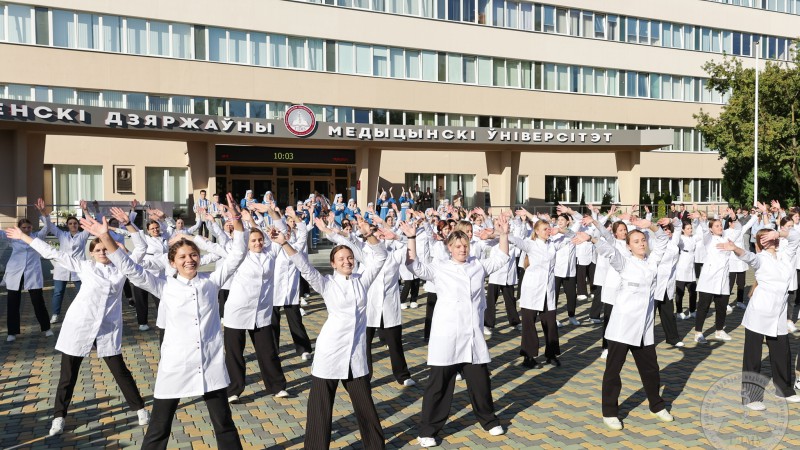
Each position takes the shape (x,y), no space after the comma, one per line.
(698,267)
(394,339)
(71,365)
(222,297)
(666,311)
(438,396)
(646,362)
(720,310)
(225,432)
(302,343)
(520,274)
(489,315)
(738,278)
(569,291)
(141,299)
(14,303)
(607,308)
(780,361)
(530,336)
(127,289)
(680,289)
(320,412)
(585,274)
(429,307)
(203,230)
(597,302)
(791,301)
(266,354)
(305,288)
(412,287)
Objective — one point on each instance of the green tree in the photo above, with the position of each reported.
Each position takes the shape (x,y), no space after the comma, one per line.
(732,133)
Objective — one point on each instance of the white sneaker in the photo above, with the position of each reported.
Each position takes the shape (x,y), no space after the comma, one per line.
(305,356)
(403,306)
(693,315)
(497,431)
(459,377)
(791,326)
(559,324)
(48,333)
(144,417)
(413,305)
(306,295)
(596,321)
(582,297)
(613,423)
(144,327)
(409,382)
(487,333)
(722,336)
(756,406)
(303,302)
(426,442)
(574,321)
(233,399)
(728,309)
(683,316)
(663,416)
(700,339)
(54,318)
(604,355)
(57,427)
(302,312)
(792,398)
(679,344)
(591,296)
(281,394)
(741,305)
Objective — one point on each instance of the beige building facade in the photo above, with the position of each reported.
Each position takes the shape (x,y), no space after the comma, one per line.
(514,68)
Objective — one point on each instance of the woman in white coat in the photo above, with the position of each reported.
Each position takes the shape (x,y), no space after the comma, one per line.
(341,352)
(72,241)
(24,272)
(713,283)
(630,327)
(502,281)
(224,238)
(685,276)
(192,358)
(538,296)
(457,342)
(566,269)
(737,268)
(665,284)
(764,318)
(93,320)
(157,245)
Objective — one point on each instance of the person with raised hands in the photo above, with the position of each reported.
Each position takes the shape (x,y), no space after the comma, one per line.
(341,352)
(630,327)
(73,241)
(156,245)
(501,281)
(713,282)
(24,272)
(456,342)
(765,316)
(94,319)
(685,276)
(538,292)
(192,359)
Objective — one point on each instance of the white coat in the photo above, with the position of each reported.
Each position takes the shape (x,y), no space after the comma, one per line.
(766,312)
(287,278)
(667,268)
(192,357)
(249,303)
(342,341)
(75,246)
(24,261)
(95,315)
(565,259)
(457,324)
(634,310)
(685,269)
(538,283)
(506,275)
(714,276)
(735,264)
(383,296)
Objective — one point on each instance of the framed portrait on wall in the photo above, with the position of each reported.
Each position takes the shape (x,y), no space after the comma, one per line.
(123,179)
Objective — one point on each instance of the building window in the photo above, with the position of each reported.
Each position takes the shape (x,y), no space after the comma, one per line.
(444,186)
(71,184)
(687,190)
(20,28)
(522,189)
(579,189)
(166,184)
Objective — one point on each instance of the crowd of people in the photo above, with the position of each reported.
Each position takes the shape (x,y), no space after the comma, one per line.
(626,264)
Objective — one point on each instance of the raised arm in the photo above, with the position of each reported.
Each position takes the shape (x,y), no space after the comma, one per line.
(238,247)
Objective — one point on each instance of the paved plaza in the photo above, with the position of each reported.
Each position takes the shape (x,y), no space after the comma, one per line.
(555,407)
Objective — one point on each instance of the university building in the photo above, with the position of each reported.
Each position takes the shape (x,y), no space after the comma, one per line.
(511,102)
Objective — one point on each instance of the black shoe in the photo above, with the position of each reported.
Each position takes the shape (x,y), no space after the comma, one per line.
(553,361)
(131,303)
(531,363)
